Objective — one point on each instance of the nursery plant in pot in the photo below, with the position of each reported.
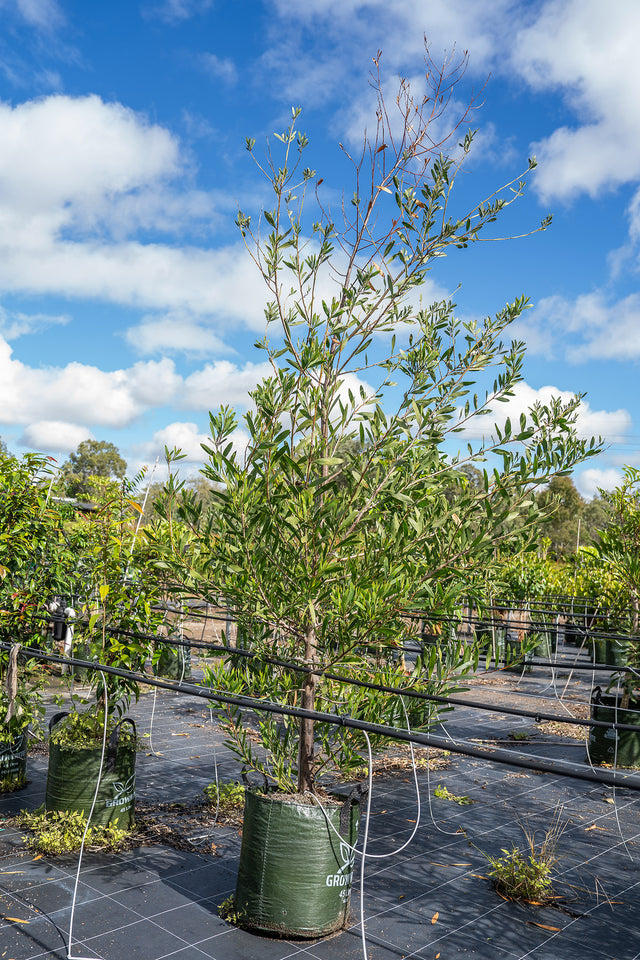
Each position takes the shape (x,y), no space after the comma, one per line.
(34,564)
(618,547)
(21,710)
(333,524)
(93,749)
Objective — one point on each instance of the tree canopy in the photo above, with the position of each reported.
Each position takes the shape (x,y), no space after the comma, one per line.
(325,547)
(93,458)
(571,520)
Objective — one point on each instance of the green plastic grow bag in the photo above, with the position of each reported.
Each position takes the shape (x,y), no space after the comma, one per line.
(13,760)
(73,774)
(602,740)
(599,647)
(173,663)
(546,644)
(295,872)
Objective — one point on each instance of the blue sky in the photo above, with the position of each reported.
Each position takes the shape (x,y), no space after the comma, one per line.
(128,307)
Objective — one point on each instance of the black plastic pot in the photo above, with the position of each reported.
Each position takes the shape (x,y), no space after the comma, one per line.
(294,878)
(574,634)
(606,745)
(74,772)
(13,761)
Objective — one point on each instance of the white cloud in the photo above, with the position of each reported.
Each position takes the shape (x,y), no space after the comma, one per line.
(185,436)
(591,480)
(174,333)
(78,177)
(35,398)
(80,393)
(61,151)
(309,57)
(222,283)
(611,425)
(14,324)
(54,436)
(174,11)
(220,383)
(583,49)
(221,68)
(591,327)
(589,52)
(44,15)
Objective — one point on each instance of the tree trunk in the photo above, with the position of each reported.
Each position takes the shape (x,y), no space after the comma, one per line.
(306,758)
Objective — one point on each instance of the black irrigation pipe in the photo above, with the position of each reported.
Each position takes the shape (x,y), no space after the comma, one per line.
(156,638)
(415,694)
(537,716)
(382,688)
(533,626)
(614,779)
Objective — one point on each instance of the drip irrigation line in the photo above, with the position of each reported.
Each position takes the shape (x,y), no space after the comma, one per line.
(536,715)
(587,634)
(572,770)
(416,694)
(531,626)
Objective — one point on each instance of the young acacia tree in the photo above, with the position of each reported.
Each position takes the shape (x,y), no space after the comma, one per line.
(336,523)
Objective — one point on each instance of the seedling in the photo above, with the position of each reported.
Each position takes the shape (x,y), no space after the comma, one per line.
(225,795)
(524,872)
(443,793)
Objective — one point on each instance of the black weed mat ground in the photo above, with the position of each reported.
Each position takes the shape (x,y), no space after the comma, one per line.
(160,898)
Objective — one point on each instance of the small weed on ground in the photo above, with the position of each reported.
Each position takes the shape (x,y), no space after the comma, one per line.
(443,793)
(227,911)
(524,873)
(227,796)
(53,833)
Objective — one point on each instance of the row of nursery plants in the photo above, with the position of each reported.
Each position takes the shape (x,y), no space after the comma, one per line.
(86,571)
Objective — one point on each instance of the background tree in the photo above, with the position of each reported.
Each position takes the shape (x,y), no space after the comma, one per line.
(567,514)
(93,458)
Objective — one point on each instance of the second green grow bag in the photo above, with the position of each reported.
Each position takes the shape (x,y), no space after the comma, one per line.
(13,761)
(73,775)
(602,740)
(295,872)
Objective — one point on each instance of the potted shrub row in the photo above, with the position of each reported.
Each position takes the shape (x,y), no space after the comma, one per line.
(94,741)
(618,548)
(35,563)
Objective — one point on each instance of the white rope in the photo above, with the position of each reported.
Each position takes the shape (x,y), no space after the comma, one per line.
(86,829)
